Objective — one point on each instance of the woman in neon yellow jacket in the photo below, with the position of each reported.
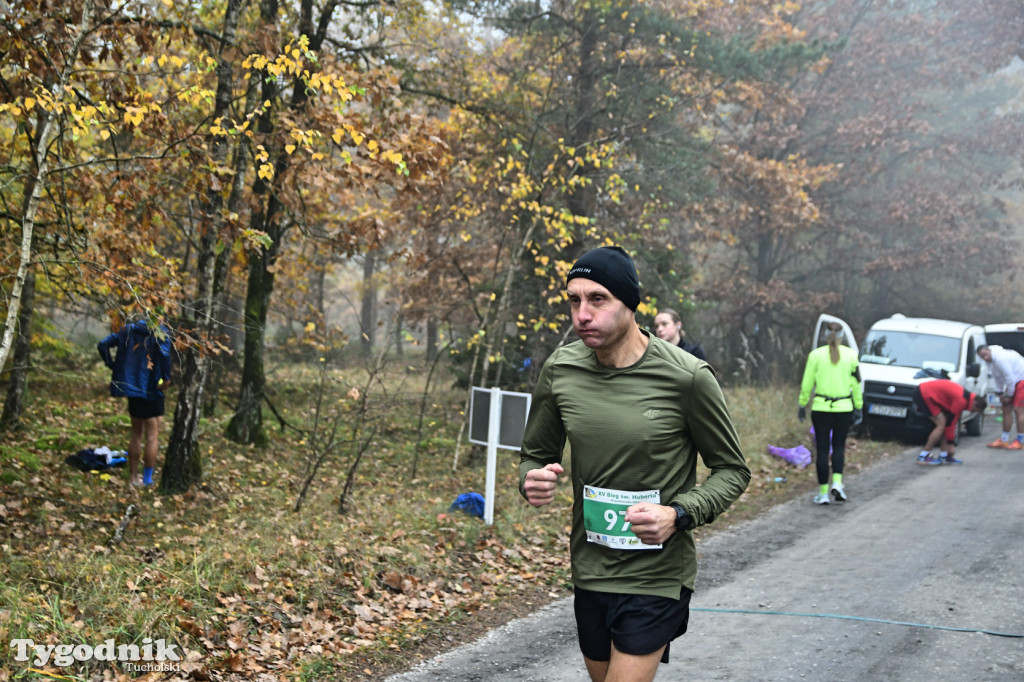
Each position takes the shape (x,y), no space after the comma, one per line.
(833,373)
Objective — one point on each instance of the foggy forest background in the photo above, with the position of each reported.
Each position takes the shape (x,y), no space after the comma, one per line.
(360,179)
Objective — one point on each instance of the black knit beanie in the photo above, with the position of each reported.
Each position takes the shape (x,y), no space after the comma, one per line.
(612,268)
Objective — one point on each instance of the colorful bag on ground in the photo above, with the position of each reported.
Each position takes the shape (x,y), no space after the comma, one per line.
(798,456)
(96,459)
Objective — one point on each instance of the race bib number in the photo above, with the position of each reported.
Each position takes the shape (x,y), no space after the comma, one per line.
(604,516)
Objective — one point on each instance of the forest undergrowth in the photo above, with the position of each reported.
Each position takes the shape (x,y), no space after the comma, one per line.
(244,586)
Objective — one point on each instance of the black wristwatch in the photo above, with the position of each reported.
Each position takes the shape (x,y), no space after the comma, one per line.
(682,518)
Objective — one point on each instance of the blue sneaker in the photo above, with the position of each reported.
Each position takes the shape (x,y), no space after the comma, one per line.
(950,459)
(927,460)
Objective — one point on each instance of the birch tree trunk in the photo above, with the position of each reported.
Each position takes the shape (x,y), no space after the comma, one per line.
(48,126)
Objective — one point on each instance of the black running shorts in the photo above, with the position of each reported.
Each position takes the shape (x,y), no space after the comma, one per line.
(140,408)
(637,624)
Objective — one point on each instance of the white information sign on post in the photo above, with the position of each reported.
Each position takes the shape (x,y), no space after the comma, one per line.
(497,419)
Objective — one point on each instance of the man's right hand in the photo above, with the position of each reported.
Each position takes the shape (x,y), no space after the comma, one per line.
(540,484)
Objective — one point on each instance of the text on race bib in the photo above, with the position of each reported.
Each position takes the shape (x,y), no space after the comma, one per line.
(604,516)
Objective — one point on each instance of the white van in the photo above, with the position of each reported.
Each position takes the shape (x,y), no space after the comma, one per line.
(901,352)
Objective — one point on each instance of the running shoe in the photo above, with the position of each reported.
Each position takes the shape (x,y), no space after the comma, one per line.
(1014,445)
(822,499)
(927,460)
(838,492)
(999,444)
(950,459)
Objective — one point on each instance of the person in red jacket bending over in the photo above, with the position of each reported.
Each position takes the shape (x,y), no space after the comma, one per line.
(944,401)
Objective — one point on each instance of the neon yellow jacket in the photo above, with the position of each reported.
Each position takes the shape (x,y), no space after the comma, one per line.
(836,387)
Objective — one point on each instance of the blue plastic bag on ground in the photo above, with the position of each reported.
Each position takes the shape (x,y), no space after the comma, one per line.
(798,456)
(471,503)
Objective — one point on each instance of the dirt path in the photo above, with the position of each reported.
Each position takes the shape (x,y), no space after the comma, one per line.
(879,589)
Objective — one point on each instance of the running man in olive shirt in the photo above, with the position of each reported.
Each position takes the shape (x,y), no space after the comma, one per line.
(636,412)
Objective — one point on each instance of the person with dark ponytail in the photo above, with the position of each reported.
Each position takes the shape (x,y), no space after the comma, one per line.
(833,373)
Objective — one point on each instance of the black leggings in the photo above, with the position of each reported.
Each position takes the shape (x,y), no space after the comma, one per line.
(838,424)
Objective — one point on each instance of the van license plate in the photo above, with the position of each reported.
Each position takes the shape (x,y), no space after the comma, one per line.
(887,410)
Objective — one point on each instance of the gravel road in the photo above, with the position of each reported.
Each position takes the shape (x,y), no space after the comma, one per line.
(906,582)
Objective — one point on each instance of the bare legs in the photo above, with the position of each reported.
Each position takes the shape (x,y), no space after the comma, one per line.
(143,442)
(624,667)
(938,436)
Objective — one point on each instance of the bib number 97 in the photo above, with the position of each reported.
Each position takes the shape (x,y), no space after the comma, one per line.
(612,517)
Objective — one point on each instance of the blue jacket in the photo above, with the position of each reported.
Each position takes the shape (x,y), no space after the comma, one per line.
(142,360)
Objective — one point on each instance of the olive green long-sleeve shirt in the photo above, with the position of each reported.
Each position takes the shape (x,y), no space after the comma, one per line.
(637,428)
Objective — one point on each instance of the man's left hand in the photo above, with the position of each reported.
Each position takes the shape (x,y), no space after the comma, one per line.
(652,523)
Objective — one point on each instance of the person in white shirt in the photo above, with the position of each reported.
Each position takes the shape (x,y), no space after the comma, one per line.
(1006,368)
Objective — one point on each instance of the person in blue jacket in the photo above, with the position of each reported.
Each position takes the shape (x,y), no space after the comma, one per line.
(140,369)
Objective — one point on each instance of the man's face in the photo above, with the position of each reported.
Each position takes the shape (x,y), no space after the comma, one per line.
(985,354)
(600,319)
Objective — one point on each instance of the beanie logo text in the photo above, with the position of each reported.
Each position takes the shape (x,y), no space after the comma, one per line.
(612,268)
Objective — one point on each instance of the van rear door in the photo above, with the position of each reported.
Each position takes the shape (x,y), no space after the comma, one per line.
(819,332)
(1008,335)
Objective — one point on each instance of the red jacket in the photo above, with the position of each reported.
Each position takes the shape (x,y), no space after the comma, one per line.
(943,395)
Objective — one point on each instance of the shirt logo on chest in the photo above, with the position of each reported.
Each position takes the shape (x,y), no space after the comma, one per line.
(652,413)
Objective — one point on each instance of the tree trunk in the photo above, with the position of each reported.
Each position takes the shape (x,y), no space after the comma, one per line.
(183,465)
(431,338)
(10,420)
(246,426)
(399,330)
(47,130)
(320,289)
(183,460)
(880,293)
(223,329)
(762,347)
(765,358)
(368,313)
(582,199)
